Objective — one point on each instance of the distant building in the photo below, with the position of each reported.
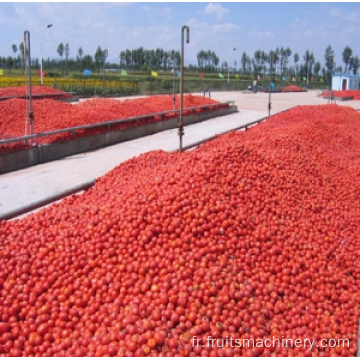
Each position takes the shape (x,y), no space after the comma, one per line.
(342,82)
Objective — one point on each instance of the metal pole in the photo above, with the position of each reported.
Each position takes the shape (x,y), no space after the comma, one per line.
(27,58)
(41,60)
(228,80)
(181,124)
(105,55)
(41,57)
(269,104)
(173,61)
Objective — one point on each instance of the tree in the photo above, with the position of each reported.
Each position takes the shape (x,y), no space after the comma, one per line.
(263,60)
(60,50)
(128,58)
(159,55)
(355,64)
(67,53)
(207,60)
(80,53)
(296,60)
(347,54)
(272,59)
(260,58)
(248,64)
(99,56)
(9,62)
(122,61)
(200,59)
(284,58)
(22,53)
(330,64)
(257,62)
(215,59)
(277,57)
(309,61)
(317,67)
(14,48)
(87,62)
(243,62)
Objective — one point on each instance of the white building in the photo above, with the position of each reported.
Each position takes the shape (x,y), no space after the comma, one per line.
(342,82)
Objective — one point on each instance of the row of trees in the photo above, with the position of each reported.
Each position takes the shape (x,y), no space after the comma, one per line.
(141,59)
(260,63)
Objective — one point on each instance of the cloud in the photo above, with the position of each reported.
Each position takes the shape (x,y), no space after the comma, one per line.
(217,10)
(198,25)
(225,28)
(261,34)
(154,12)
(338,14)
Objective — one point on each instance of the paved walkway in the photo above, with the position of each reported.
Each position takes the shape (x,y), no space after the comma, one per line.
(26,189)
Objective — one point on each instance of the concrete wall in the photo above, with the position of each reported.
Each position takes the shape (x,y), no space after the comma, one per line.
(57,150)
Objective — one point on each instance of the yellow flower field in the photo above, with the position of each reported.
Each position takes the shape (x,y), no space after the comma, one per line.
(69,84)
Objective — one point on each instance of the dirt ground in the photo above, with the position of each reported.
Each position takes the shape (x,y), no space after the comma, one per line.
(246,100)
(279,101)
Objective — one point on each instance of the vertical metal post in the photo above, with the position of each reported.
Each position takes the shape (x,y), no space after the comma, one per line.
(181,124)
(269,104)
(41,55)
(173,63)
(228,66)
(105,55)
(27,58)
(41,60)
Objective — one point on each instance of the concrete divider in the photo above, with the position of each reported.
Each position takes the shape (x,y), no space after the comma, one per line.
(57,150)
(46,201)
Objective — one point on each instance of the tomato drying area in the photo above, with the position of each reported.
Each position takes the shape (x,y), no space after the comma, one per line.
(36,92)
(254,235)
(51,115)
(345,94)
(293,88)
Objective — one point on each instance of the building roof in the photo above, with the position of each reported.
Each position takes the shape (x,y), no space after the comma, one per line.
(348,75)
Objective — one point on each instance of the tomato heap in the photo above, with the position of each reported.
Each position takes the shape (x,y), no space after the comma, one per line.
(343,94)
(292,88)
(51,115)
(252,236)
(13,91)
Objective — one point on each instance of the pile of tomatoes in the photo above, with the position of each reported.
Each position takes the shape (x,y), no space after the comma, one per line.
(355,94)
(292,88)
(22,91)
(254,235)
(51,115)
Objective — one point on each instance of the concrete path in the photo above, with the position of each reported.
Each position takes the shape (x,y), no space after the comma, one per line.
(27,189)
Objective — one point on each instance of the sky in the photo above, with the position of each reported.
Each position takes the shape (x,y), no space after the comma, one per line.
(215,26)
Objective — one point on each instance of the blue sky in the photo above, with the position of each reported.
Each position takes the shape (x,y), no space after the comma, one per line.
(218,26)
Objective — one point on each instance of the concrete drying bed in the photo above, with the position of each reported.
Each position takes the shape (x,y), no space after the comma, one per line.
(42,153)
(29,188)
